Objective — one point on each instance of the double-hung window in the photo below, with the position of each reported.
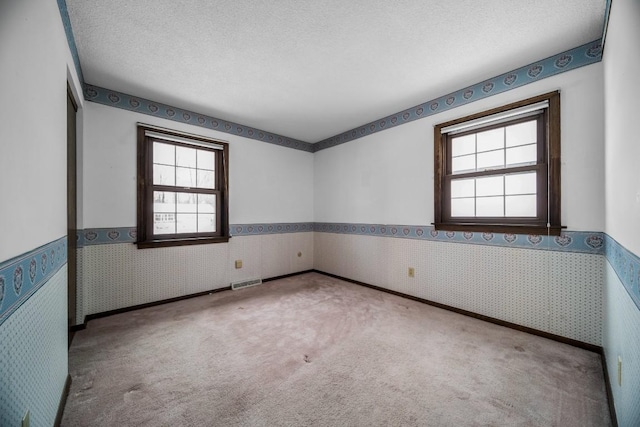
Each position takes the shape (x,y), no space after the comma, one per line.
(182,188)
(499,171)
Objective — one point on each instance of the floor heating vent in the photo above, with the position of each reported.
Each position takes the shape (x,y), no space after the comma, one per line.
(246,284)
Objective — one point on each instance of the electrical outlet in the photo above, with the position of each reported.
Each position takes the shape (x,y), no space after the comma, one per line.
(238,263)
(412,272)
(25,419)
(620,371)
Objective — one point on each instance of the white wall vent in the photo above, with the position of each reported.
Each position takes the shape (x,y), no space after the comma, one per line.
(245,284)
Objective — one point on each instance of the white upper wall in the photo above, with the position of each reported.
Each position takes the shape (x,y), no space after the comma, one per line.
(387,177)
(35,63)
(267,183)
(621,65)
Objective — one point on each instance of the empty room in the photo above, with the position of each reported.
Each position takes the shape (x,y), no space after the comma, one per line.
(330,213)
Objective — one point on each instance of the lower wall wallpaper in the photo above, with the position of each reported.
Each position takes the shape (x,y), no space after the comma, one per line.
(118,275)
(553,284)
(552,291)
(621,339)
(33,355)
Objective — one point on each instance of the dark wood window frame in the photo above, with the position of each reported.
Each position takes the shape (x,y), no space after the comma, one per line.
(547,169)
(146,187)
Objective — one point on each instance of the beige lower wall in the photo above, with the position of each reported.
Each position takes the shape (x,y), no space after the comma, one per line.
(114,276)
(556,292)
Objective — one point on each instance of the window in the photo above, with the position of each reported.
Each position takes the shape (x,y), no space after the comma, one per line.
(182,188)
(499,171)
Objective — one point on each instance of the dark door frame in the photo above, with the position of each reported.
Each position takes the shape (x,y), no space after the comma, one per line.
(72,110)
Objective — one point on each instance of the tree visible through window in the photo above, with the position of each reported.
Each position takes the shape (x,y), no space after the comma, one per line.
(182,188)
(500,170)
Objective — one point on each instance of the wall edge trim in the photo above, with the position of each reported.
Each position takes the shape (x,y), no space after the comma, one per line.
(63,401)
(608,389)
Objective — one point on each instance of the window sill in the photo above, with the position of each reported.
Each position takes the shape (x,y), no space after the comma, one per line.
(181,242)
(555,230)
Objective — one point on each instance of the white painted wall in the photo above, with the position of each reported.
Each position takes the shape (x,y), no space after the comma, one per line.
(622,202)
(267,183)
(35,65)
(621,65)
(34,59)
(387,177)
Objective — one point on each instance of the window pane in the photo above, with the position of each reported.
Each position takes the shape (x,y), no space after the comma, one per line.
(164,153)
(164,201)
(490,186)
(186,157)
(525,154)
(164,175)
(187,202)
(521,206)
(462,188)
(521,183)
(186,177)
(463,164)
(206,223)
(491,160)
(206,160)
(523,133)
(463,207)
(206,203)
(164,224)
(186,223)
(164,206)
(490,206)
(490,140)
(206,179)
(463,145)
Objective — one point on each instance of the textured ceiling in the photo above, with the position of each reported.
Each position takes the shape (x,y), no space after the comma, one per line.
(312,69)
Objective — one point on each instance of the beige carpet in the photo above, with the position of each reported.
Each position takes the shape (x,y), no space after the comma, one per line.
(311,350)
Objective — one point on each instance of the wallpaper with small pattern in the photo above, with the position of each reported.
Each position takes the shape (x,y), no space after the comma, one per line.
(621,337)
(552,291)
(33,355)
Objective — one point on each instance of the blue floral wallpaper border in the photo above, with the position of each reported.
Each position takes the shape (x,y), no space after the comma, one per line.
(270,228)
(68,30)
(22,276)
(121,100)
(565,61)
(569,241)
(105,236)
(626,265)
(587,54)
